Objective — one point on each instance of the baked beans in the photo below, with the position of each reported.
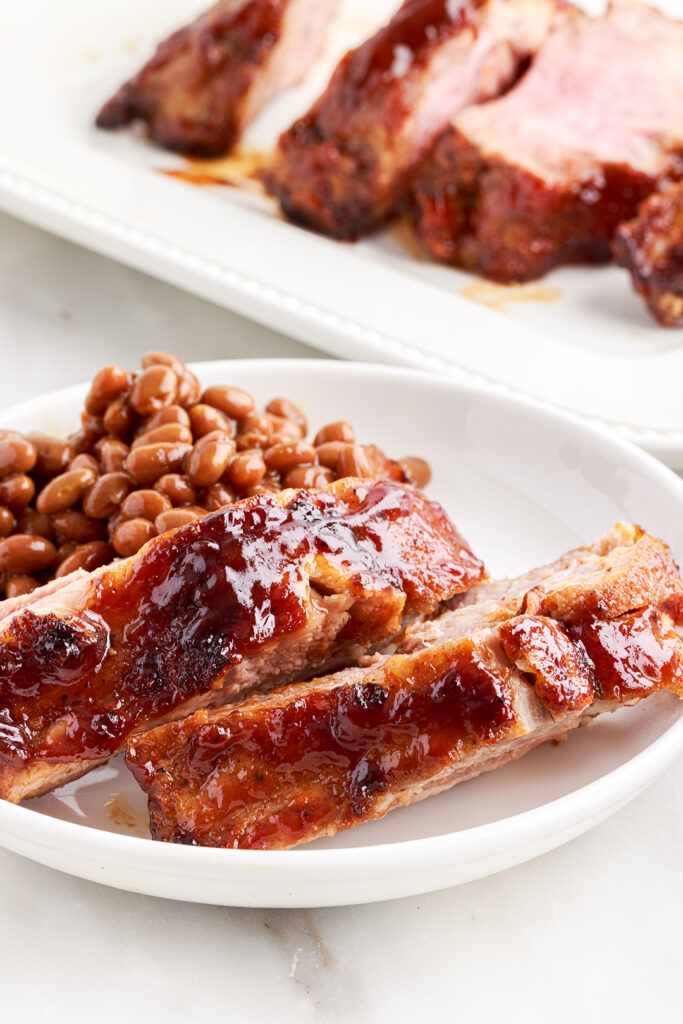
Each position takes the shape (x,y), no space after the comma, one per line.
(154,453)
(131,534)
(209,458)
(106,494)
(150,461)
(17,491)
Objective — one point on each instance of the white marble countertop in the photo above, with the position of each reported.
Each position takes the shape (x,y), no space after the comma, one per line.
(589,932)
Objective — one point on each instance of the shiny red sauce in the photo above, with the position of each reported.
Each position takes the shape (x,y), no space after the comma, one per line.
(414,31)
(562,677)
(630,656)
(300,764)
(202,599)
(279,771)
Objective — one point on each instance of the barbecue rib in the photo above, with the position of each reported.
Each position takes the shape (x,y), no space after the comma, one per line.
(545,174)
(209,80)
(267,590)
(344,166)
(651,247)
(517,663)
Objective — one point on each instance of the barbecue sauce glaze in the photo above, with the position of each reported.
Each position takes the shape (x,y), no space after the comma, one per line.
(167,626)
(277,772)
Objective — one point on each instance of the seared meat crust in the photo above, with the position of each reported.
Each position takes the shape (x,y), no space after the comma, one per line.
(517,663)
(267,590)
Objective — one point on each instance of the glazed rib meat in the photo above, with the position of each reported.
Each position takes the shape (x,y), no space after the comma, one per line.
(651,247)
(267,590)
(517,663)
(544,175)
(209,80)
(344,166)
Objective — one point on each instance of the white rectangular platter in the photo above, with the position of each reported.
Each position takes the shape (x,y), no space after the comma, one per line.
(580,339)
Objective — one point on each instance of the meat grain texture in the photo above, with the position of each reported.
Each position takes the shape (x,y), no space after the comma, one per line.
(345,165)
(271,589)
(210,79)
(545,174)
(518,662)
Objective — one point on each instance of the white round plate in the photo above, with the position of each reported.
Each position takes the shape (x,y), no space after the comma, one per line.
(524,484)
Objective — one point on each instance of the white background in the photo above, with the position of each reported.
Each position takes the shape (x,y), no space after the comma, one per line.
(589,932)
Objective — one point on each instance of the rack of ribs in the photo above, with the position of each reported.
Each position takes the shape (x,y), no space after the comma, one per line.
(544,175)
(270,589)
(345,165)
(651,247)
(516,663)
(209,80)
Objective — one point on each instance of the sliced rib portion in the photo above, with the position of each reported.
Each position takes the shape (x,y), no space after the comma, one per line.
(545,174)
(467,692)
(209,80)
(344,166)
(267,590)
(651,247)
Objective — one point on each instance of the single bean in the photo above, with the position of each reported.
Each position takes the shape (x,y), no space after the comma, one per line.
(106,494)
(255,422)
(112,454)
(382,466)
(64,491)
(354,461)
(173,432)
(169,414)
(75,525)
(234,402)
(176,488)
(120,419)
(18,586)
(340,430)
(7,521)
(107,385)
(285,428)
(209,458)
(308,476)
(251,439)
(17,455)
(417,470)
(87,556)
(151,461)
(23,555)
(131,534)
(35,523)
(329,452)
(80,441)
(144,504)
(188,385)
(85,461)
(92,426)
(159,357)
(154,388)
(284,408)
(245,470)
(216,496)
(176,517)
(53,454)
(17,491)
(204,419)
(189,389)
(283,457)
